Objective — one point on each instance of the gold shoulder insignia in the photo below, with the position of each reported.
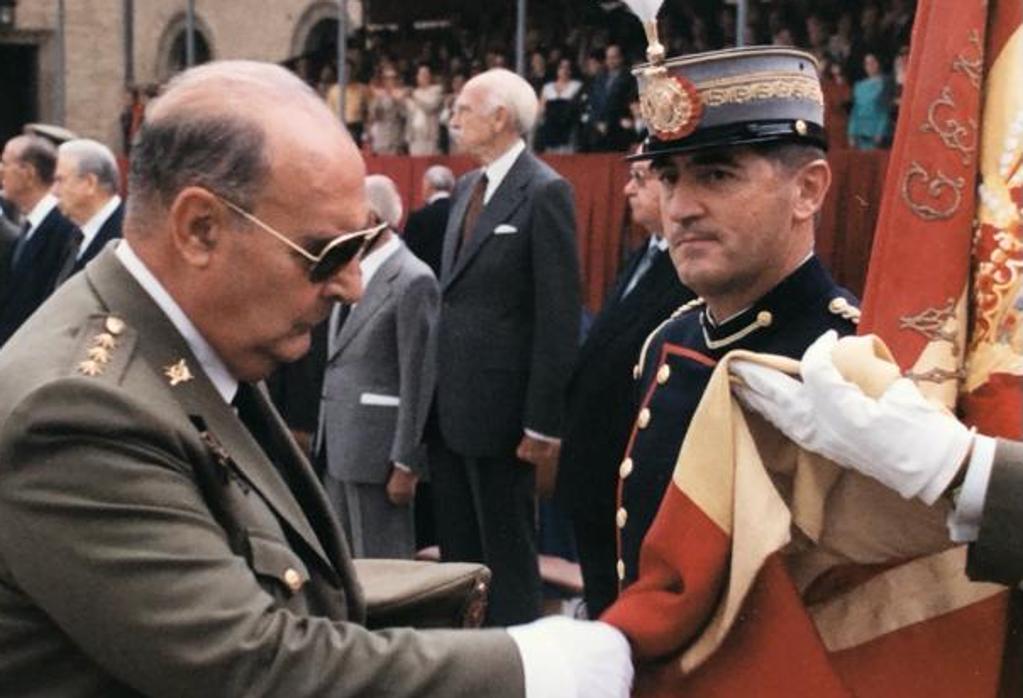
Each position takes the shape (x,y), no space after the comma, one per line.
(843,308)
(103,345)
(178,372)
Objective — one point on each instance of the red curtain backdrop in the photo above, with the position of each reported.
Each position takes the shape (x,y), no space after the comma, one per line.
(844,235)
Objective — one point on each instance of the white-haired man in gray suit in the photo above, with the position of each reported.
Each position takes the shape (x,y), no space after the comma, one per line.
(377,388)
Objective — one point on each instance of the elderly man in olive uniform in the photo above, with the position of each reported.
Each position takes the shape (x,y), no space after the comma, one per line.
(160,532)
(743,176)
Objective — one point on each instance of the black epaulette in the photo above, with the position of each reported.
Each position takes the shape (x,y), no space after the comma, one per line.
(843,308)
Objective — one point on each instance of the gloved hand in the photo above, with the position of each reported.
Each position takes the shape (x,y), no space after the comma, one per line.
(565,658)
(905,441)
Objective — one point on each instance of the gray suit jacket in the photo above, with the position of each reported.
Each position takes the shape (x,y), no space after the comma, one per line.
(509,325)
(149,547)
(997,555)
(380,374)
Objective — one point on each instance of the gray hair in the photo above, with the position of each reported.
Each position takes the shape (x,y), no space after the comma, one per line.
(503,88)
(440,178)
(384,199)
(92,157)
(195,134)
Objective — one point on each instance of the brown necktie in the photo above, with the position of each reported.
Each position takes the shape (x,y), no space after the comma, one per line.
(472,212)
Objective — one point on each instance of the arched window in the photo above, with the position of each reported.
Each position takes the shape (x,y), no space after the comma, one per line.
(173,54)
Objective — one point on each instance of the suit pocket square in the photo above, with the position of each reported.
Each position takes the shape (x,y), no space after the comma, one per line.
(505,229)
(379,400)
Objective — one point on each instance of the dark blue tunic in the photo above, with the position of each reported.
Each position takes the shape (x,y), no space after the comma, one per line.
(677,365)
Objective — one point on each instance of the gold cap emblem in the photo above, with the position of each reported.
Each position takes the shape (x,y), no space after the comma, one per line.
(671,105)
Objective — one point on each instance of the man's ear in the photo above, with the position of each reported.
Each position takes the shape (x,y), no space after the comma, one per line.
(197,221)
(812,183)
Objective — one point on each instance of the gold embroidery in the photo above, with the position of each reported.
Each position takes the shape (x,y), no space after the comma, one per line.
(741,89)
(972,67)
(931,324)
(934,185)
(178,373)
(104,340)
(100,355)
(952,133)
(90,368)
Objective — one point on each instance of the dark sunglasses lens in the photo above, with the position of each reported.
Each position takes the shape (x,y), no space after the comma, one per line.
(335,257)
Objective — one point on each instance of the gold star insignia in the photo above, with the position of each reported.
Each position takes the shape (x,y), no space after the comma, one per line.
(90,368)
(178,372)
(105,340)
(100,355)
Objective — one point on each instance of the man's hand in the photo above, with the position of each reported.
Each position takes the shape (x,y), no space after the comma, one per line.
(567,658)
(902,439)
(544,455)
(401,486)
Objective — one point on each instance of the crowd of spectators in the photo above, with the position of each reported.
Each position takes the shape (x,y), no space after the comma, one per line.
(402,84)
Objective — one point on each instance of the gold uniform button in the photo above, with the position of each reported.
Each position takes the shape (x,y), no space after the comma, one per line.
(663,374)
(838,305)
(293,579)
(621,517)
(801,127)
(644,418)
(625,469)
(764,318)
(114,325)
(621,570)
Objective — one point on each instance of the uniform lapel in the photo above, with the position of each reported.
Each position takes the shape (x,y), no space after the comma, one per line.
(378,291)
(162,347)
(503,203)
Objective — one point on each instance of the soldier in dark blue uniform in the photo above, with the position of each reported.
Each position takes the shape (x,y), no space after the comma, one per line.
(738,143)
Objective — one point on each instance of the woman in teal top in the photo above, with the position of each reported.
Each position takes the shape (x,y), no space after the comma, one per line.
(870,123)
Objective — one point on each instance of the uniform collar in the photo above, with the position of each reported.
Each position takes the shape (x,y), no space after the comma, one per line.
(790,297)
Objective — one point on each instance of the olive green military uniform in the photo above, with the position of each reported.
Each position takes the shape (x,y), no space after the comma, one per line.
(149,546)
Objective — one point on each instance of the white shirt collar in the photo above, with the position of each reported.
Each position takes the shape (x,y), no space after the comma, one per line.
(657,241)
(92,226)
(39,212)
(438,196)
(373,261)
(499,168)
(213,365)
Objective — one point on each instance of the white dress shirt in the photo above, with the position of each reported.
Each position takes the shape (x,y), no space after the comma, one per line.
(214,367)
(38,213)
(499,168)
(91,227)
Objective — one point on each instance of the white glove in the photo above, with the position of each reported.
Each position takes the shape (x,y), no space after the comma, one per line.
(565,658)
(903,440)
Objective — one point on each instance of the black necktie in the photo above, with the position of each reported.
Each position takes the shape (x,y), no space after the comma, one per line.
(342,316)
(472,212)
(247,403)
(70,256)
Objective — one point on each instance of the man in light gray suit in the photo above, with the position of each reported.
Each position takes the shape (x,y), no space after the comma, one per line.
(377,389)
(508,337)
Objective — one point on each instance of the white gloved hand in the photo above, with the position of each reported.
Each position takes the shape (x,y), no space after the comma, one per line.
(565,658)
(904,440)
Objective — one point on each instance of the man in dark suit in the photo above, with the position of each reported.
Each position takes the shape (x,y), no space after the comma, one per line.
(377,389)
(601,399)
(508,338)
(85,184)
(143,467)
(28,167)
(424,229)
(613,90)
(9,230)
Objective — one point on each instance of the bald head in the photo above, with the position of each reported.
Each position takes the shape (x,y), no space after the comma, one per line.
(223,126)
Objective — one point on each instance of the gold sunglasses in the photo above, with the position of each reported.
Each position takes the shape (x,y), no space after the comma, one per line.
(336,254)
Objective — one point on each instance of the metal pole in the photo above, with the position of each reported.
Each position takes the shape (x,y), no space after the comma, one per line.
(520,38)
(60,81)
(190,34)
(342,52)
(740,22)
(129,41)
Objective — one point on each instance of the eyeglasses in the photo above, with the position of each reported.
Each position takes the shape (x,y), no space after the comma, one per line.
(337,253)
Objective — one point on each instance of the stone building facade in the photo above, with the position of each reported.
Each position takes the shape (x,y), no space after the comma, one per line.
(108,43)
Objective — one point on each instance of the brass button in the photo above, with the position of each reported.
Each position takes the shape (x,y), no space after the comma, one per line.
(621,517)
(644,418)
(621,570)
(293,579)
(635,372)
(114,325)
(801,127)
(764,318)
(663,374)
(625,469)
